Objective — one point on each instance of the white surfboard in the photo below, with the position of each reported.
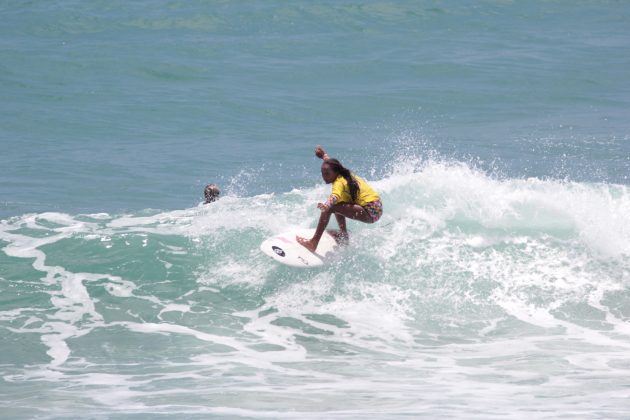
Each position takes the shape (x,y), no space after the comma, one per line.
(285,249)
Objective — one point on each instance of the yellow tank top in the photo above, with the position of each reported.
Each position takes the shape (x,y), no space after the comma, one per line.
(341,191)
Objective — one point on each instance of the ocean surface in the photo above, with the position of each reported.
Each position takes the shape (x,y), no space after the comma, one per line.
(496,284)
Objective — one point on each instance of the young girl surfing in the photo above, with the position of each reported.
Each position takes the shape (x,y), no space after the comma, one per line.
(351,197)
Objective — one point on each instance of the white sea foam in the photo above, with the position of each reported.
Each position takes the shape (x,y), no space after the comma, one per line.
(469,287)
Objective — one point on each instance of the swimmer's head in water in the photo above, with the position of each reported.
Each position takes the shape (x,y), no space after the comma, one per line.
(211,193)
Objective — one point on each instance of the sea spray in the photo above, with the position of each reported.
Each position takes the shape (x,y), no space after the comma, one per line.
(496,284)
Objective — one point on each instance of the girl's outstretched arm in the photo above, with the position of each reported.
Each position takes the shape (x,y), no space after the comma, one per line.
(321,153)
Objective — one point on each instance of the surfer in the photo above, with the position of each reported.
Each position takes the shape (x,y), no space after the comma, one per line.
(211,193)
(351,197)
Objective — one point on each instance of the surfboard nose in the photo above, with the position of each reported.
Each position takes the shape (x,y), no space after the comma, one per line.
(285,248)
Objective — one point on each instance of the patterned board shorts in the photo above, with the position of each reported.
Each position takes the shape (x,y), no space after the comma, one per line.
(374,209)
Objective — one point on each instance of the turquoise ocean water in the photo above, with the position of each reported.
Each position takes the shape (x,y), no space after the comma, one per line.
(496,285)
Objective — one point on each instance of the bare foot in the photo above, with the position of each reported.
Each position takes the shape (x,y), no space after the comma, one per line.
(306,243)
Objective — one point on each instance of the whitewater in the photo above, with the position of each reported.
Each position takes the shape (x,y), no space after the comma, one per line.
(496,284)
(474,296)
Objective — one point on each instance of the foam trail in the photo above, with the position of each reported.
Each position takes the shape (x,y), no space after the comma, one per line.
(470,287)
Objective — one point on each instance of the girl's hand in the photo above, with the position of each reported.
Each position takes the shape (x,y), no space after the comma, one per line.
(322,206)
(319,152)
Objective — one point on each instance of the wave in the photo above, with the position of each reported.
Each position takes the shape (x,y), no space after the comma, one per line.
(459,257)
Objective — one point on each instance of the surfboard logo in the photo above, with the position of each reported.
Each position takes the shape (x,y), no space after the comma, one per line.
(278,250)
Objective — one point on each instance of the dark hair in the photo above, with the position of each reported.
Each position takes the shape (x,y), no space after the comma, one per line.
(211,193)
(345,172)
